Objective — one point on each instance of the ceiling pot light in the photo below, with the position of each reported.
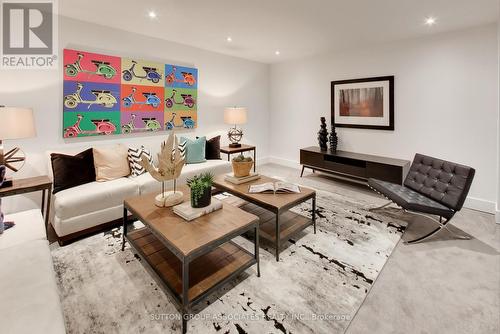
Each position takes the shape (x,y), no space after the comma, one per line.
(277,52)
(229,39)
(430,21)
(152,14)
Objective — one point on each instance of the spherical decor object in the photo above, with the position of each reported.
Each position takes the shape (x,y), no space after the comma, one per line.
(235,136)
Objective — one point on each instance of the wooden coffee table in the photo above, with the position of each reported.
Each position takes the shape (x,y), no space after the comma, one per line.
(190,259)
(284,224)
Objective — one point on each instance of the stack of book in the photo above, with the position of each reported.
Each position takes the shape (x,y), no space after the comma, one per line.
(239,180)
(187,212)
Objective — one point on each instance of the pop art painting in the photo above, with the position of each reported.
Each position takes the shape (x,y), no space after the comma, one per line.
(151,121)
(141,72)
(91,67)
(181,77)
(105,95)
(141,98)
(91,96)
(81,124)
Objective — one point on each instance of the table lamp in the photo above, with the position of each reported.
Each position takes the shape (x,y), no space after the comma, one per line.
(235,116)
(15,123)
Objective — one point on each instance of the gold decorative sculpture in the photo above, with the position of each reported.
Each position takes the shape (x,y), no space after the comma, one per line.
(170,165)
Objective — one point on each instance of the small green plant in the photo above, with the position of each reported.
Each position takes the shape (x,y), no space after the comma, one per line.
(198,184)
(242,158)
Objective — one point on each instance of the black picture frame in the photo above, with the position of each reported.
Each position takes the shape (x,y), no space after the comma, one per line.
(389,78)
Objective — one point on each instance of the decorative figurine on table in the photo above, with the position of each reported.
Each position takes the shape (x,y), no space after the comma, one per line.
(334,140)
(170,165)
(323,135)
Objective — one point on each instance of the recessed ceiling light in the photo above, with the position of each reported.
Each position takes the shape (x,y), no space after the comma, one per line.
(430,21)
(152,14)
(229,39)
(277,52)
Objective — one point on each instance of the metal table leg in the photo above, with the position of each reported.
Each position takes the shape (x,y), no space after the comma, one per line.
(314,213)
(125,218)
(185,294)
(277,236)
(254,159)
(257,246)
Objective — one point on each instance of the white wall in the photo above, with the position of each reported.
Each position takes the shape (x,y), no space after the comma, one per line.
(498,134)
(223,81)
(446,103)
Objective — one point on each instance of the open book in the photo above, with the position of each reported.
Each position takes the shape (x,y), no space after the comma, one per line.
(276,188)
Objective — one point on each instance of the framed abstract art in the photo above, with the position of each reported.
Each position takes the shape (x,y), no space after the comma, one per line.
(366,103)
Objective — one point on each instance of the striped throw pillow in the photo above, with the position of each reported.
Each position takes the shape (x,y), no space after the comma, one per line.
(182,149)
(134,158)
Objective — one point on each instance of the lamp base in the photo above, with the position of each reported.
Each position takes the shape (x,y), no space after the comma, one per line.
(7,183)
(235,145)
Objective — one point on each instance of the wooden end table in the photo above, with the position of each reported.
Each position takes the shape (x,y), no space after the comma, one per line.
(32,184)
(244,148)
(190,259)
(285,223)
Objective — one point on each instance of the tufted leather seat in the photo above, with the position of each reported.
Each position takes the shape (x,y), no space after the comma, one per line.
(432,186)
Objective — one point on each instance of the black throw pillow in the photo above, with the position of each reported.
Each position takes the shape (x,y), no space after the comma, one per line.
(72,170)
(212,148)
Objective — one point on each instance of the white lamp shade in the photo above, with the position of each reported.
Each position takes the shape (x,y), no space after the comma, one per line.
(16,123)
(235,115)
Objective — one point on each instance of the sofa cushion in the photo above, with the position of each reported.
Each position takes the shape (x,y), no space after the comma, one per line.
(212,148)
(72,170)
(195,150)
(135,158)
(29,226)
(93,196)
(147,184)
(111,163)
(29,299)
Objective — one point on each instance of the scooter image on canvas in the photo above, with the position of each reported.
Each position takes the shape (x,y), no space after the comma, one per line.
(187,77)
(187,100)
(102,127)
(102,97)
(187,122)
(103,68)
(151,73)
(151,99)
(151,124)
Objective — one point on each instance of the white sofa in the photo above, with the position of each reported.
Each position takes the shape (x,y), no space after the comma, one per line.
(90,205)
(29,298)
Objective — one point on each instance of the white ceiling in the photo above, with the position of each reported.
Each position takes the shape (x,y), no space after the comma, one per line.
(296,28)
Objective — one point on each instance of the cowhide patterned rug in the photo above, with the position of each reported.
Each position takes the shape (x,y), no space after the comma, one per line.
(317,287)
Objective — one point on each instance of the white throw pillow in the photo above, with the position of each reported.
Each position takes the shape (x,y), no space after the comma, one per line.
(111,163)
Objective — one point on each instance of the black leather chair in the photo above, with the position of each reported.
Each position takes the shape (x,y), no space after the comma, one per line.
(432,187)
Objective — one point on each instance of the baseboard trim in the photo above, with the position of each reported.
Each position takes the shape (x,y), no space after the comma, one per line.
(470,203)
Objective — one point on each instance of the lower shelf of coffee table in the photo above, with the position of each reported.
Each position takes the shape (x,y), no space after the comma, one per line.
(290,224)
(205,271)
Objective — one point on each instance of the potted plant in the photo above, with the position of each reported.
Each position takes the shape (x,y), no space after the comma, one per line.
(201,189)
(242,166)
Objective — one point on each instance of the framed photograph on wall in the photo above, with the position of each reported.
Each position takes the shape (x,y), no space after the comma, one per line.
(366,103)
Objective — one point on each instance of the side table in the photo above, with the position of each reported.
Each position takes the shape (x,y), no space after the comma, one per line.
(32,184)
(243,148)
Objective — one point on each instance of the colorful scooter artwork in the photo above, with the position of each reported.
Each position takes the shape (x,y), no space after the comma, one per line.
(151,124)
(187,100)
(102,127)
(187,122)
(187,77)
(151,99)
(102,97)
(151,73)
(103,68)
